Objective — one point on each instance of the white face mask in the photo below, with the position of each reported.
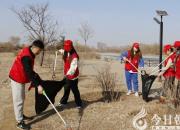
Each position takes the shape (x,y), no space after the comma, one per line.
(178,51)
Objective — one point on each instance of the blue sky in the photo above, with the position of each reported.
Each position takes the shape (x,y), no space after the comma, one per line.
(116,22)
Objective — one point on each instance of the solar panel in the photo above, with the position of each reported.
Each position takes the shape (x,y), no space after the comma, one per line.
(161,12)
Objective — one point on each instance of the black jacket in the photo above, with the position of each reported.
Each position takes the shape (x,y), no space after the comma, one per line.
(32,75)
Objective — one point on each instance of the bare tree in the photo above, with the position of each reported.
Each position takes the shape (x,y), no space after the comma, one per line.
(39,23)
(14,40)
(108,83)
(85,32)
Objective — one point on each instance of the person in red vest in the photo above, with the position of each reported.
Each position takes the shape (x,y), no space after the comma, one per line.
(71,73)
(168,73)
(21,73)
(133,59)
(177,70)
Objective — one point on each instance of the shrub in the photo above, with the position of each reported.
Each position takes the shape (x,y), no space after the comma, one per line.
(108,84)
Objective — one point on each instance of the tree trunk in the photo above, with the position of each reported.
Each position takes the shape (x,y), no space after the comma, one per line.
(85,47)
(42,58)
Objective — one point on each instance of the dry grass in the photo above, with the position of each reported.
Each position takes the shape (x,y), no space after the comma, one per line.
(89,55)
(152,49)
(96,115)
(9,47)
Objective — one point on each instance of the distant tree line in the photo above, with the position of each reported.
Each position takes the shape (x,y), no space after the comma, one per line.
(13,44)
(145,48)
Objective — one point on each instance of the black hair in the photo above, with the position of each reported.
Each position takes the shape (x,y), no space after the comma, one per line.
(137,53)
(38,43)
(71,52)
(171,49)
(178,51)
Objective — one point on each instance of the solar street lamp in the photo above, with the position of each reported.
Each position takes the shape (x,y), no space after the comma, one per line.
(160,22)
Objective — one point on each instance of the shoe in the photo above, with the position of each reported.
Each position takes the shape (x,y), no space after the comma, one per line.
(79,107)
(62,105)
(129,93)
(136,94)
(21,125)
(26,118)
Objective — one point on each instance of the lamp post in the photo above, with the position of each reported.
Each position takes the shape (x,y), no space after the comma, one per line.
(161,14)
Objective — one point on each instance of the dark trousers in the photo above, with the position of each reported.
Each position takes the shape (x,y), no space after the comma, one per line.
(73,85)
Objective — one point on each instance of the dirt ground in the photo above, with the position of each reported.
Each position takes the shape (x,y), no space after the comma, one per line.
(96,114)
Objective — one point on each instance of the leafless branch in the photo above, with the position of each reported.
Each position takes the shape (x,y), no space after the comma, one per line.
(39,23)
(85,32)
(107,82)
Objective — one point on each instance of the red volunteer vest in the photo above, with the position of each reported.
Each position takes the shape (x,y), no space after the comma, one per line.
(134,61)
(67,64)
(177,65)
(17,72)
(171,71)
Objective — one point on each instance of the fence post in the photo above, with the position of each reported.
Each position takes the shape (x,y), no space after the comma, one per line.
(149,63)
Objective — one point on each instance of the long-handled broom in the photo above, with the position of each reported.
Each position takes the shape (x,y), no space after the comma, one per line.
(68,127)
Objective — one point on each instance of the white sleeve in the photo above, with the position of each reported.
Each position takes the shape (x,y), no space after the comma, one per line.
(73,67)
(169,64)
(61,51)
